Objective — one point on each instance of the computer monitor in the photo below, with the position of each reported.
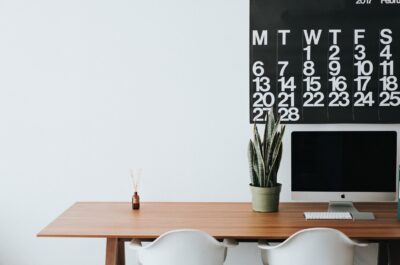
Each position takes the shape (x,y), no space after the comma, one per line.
(344,165)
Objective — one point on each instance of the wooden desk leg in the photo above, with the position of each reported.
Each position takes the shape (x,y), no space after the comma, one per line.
(112,251)
(115,252)
(389,252)
(383,253)
(121,252)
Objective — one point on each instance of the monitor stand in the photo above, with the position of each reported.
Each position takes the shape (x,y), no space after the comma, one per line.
(347,206)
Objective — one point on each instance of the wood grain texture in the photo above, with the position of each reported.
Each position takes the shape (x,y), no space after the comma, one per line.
(221,220)
(121,252)
(112,251)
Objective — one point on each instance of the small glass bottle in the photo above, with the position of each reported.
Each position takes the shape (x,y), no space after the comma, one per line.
(135,201)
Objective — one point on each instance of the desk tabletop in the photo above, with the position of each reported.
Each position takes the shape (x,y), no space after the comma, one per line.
(219,219)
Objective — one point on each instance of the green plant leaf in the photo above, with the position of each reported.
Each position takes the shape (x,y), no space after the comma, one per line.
(278,161)
(268,137)
(257,138)
(259,157)
(261,167)
(265,137)
(274,152)
(269,162)
(272,177)
(265,154)
(251,152)
(270,123)
(277,155)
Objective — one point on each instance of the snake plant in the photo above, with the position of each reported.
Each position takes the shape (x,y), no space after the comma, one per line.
(265,154)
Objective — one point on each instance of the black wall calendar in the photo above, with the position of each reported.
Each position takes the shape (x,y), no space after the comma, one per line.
(325,61)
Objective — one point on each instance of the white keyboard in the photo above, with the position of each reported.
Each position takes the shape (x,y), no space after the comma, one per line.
(328,216)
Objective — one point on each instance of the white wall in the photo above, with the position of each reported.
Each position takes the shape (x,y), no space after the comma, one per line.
(90,88)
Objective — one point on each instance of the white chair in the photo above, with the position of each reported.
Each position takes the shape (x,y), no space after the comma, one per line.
(315,246)
(183,247)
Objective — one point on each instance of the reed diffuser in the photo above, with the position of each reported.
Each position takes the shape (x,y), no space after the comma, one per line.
(135,176)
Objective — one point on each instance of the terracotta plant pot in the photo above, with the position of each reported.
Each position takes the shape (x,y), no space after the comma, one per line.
(265,199)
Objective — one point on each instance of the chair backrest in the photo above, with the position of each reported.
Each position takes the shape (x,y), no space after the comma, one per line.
(183,247)
(315,246)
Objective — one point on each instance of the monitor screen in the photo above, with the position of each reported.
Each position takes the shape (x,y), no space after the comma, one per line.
(344,161)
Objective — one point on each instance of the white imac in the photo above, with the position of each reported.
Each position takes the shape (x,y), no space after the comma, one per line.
(344,166)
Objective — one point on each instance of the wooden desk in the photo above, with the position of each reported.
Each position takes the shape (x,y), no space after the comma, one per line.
(118,222)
